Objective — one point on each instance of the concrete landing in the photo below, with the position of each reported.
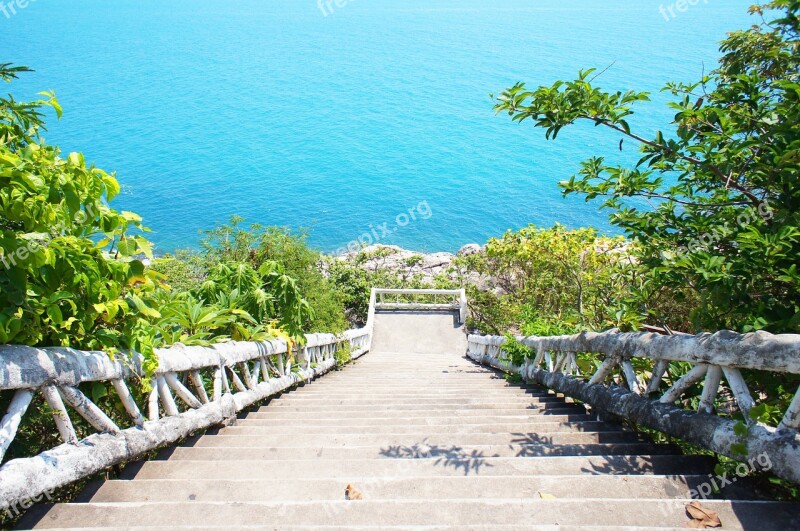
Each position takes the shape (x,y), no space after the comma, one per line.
(419,333)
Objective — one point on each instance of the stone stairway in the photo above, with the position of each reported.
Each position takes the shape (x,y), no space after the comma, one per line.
(431,440)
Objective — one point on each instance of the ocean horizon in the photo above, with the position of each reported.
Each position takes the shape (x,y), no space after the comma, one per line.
(348,118)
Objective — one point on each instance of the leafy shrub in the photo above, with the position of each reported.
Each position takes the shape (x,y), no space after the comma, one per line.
(515,352)
(181,271)
(558,281)
(69,275)
(293,265)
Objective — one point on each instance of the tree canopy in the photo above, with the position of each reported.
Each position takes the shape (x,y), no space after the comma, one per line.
(723,182)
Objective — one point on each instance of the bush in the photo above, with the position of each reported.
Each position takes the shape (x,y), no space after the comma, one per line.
(354,278)
(558,281)
(231,251)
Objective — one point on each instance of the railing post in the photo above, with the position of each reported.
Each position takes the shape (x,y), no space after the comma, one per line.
(462,314)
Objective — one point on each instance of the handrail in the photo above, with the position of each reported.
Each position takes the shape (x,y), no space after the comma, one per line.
(371,310)
(554,363)
(454,299)
(193,388)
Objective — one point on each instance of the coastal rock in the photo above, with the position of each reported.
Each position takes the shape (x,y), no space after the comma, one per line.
(402,261)
(470,249)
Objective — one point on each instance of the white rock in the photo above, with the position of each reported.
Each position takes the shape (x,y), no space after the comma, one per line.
(470,249)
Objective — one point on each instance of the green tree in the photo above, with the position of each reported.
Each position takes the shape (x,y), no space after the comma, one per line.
(726,220)
(68,275)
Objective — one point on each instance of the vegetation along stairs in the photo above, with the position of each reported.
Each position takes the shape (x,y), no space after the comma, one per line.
(426,437)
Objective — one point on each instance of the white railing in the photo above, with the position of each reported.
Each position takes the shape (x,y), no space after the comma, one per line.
(432,299)
(193,388)
(629,382)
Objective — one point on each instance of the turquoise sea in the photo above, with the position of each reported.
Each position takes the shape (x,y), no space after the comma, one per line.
(341,115)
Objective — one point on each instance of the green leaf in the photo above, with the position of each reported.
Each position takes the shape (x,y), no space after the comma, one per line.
(127,247)
(739,449)
(71,196)
(34,182)
(54,313)
(76,159)
(145,246)
(112,186)
(131,217)
(99,391)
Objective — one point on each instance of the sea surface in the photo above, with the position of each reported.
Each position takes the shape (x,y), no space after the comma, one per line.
(347,117)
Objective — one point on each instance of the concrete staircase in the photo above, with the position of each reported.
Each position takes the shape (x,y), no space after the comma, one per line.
(431,440)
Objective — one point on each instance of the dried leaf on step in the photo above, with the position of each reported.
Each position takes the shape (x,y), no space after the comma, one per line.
(702,517)
(350,493)
(546,496)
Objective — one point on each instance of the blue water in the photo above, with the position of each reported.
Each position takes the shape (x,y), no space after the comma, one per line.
(340,122)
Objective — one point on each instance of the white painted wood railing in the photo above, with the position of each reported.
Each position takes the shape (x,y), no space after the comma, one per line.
(193,388)
(432,299)
(629,383)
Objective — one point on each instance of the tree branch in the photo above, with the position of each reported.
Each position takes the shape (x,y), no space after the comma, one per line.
(713,168)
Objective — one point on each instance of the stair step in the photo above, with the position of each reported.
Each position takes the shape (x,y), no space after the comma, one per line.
(410,394)
(446,381)
(508,512)
(342,422)
(466,465)
(234,436)
(430,402)
(304,415)
(375,528)
(383,406)
(452,429)
(245,453)
(376,488)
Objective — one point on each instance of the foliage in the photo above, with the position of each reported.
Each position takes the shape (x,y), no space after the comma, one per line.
(724,181)
(291,265)
(515,352)
(533,324)
(69,275)
(343,355)
(558,281)
(181,271)
(355,274)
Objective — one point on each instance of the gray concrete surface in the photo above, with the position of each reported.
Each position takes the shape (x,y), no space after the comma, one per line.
(419,333)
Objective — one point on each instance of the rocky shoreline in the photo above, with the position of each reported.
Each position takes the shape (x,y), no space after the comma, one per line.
(406,262)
